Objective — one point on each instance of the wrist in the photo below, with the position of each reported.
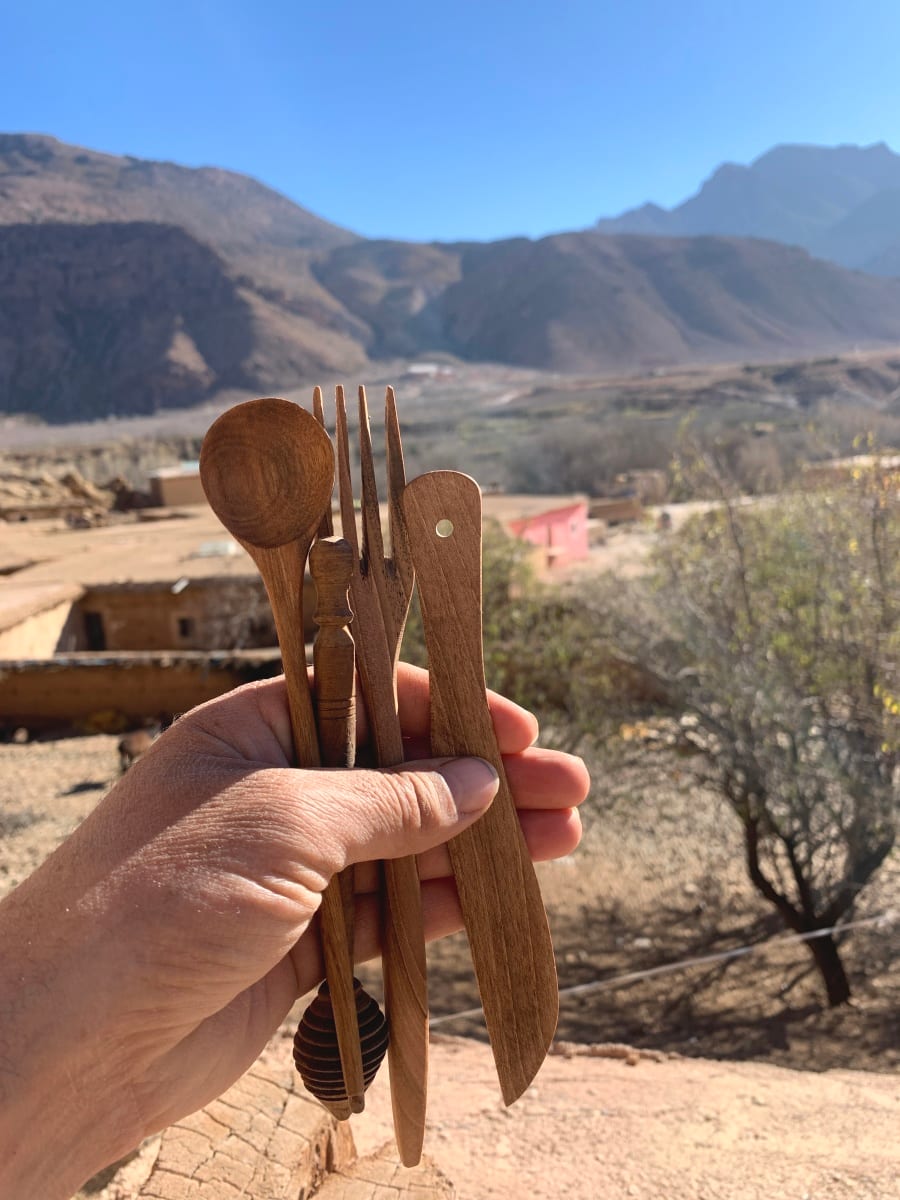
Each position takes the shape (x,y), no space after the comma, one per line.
(64,1114)
(56,1139)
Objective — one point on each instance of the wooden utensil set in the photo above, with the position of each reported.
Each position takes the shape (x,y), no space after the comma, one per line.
(268,470)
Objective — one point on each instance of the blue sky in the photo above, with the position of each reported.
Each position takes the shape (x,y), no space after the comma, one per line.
(466,120)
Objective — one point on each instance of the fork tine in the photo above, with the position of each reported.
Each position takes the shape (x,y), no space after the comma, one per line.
(326,526)
(401,559)
(373,545)
(345,482)
(318,406)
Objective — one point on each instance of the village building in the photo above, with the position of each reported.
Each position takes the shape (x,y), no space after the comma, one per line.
(179,583)
(155,611)
(556,526)
(105,626)
(172,487)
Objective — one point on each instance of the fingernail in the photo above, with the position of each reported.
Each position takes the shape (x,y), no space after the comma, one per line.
(473,783)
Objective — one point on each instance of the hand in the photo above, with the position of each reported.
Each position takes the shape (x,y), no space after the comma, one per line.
(152,956)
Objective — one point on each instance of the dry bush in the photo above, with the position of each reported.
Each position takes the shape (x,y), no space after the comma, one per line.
(774,627)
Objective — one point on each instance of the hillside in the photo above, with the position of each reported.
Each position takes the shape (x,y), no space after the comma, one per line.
(584,302)
(42,179)
(840,203)
(128,286)
(127,318)
(259,232)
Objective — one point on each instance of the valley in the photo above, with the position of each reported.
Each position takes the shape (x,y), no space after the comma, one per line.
(130,287)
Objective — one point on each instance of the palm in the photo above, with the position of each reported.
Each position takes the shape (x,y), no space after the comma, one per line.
(212,1055)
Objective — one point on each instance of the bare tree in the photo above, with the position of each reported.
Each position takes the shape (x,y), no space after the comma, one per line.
(774,627)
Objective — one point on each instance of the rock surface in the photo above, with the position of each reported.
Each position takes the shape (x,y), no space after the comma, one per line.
(380,1176)
(129,317)
(266,1139)
(620,1124)
(600,1121)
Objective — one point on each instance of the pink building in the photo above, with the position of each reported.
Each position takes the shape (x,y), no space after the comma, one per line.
(556,525)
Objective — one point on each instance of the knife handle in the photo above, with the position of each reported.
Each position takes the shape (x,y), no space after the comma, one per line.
(501,901)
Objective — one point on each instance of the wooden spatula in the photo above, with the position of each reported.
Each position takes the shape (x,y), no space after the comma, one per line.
(501,900)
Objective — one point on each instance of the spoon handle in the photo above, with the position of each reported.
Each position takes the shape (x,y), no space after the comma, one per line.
(282,569)
(498,889)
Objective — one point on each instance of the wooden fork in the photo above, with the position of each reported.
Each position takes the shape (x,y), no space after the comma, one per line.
(380,592)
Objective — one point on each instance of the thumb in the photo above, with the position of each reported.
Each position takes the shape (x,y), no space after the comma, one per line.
(358,815)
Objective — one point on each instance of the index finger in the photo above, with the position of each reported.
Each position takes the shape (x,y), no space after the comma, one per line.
(515,727)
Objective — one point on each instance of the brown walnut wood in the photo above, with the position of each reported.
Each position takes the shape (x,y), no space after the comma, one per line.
(403,954)
(267,468)
(334,656)
(326,525)
(501,901)
(315,1046)
(331,565)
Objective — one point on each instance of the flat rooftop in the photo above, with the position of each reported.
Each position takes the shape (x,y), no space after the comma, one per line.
(161,546)
(510,506)
(191,544)
(18,601)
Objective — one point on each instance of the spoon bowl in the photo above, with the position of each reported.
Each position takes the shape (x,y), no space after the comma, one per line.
(267,468)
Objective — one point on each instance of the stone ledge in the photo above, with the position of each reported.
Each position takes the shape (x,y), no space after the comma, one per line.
(264,1139)
(380,1176)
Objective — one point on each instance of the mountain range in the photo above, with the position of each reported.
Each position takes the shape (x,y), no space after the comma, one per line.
(128,285)
(841,203)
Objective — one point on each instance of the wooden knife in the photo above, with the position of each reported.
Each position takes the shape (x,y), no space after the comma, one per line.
(501,901)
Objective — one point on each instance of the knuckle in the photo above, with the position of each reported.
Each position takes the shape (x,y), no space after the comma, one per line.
(421,798)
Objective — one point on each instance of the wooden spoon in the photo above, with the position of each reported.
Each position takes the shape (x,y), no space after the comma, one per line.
(267,468)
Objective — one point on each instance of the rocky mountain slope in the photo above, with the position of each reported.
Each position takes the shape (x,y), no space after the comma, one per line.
(44,180)
(127,318)
(588,302)
(259,233)
(841,203)
(128,286)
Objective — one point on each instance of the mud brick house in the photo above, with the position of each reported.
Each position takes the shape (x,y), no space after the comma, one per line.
(36,618)
(616,510)
(173,486)
(134,617)
(178,583)
(158,611)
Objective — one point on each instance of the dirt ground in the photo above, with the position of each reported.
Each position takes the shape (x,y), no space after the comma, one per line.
(658,879)
(596,1126)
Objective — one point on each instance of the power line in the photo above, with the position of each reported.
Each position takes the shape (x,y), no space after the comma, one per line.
(886,920)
